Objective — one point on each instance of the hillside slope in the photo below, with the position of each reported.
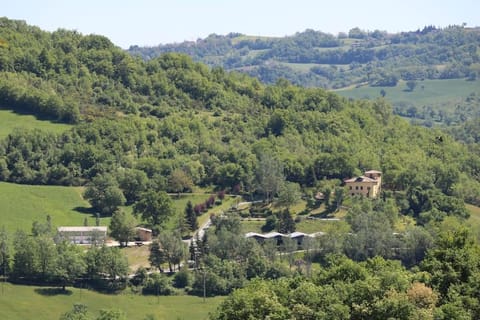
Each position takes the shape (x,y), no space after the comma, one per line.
(313,58)
(141,125)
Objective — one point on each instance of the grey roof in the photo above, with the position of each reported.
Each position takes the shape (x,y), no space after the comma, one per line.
(81,229)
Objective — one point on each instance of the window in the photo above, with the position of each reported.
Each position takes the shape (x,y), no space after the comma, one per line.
(351,187)
(361,187)
(356,187)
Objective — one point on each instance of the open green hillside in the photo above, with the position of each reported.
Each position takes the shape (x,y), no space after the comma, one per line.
(441,101)
(10,121)
(23,204)
(41,303)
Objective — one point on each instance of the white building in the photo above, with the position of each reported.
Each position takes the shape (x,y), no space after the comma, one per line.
(83,235)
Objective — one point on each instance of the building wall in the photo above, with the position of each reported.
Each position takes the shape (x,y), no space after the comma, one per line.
(366,189)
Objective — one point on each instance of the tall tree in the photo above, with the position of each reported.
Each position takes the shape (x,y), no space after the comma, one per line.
(4,252)
(191,216)
(174,249)
(104,194)
(269,175)
(122,227)
(154,207)
(289,194)
(179,181)
(70,264)
(157,256)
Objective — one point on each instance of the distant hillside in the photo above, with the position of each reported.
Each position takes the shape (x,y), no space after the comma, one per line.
(314,58)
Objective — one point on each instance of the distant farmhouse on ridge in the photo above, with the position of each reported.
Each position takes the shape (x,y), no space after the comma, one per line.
(368,185)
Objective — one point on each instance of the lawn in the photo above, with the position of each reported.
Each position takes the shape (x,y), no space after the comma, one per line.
(30,302)
(10,120)
(20,205)
(427,92)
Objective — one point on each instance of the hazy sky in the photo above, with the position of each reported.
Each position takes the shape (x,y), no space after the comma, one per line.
(150,22)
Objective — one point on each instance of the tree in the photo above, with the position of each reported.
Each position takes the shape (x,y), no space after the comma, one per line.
(157,257)
(411,85)
(122,227)
(104,194)
(154,207)
(174,249)
(78,312)
(25,258)
(269,175)
(4,253)
(285,223)
(289,194)
(179,181)
(191,216)
(70,264)
(133,182)
(47,256)
(106,263)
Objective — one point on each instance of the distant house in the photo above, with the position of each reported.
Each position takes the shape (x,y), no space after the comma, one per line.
(368,185)
(83,235)
(143,234)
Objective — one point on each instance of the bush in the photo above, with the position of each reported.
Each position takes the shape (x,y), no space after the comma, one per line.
(270,224)
(158,284)
(182,278)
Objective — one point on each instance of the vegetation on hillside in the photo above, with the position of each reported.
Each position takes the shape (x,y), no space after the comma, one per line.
(314,58)
(142,129)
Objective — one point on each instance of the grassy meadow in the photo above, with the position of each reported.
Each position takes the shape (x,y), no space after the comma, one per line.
(20,205)
(427,92)
(41,303)
(9,120)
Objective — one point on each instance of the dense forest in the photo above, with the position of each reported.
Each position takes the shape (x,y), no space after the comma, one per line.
(314,58)
(169,124)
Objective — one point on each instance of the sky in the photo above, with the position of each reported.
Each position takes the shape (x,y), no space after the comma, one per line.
(150,22)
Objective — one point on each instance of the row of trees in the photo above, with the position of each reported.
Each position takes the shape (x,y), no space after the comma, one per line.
(40,260)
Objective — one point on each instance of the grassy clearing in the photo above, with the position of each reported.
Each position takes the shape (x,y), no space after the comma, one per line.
(30,302)
(137,256)
(10,120)
(427,92)
(20,205)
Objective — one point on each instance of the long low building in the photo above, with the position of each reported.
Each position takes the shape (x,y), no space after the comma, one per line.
(299,236)
(83,235)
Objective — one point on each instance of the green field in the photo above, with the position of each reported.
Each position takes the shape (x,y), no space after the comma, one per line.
(30,302)
(20,205)
(10,120)
(427,92)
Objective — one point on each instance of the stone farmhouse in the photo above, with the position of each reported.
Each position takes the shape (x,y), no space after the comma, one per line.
(368,185)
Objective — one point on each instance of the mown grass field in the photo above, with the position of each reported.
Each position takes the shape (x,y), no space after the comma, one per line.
(20,205)
(30,302)
(427,92)
(10,120)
